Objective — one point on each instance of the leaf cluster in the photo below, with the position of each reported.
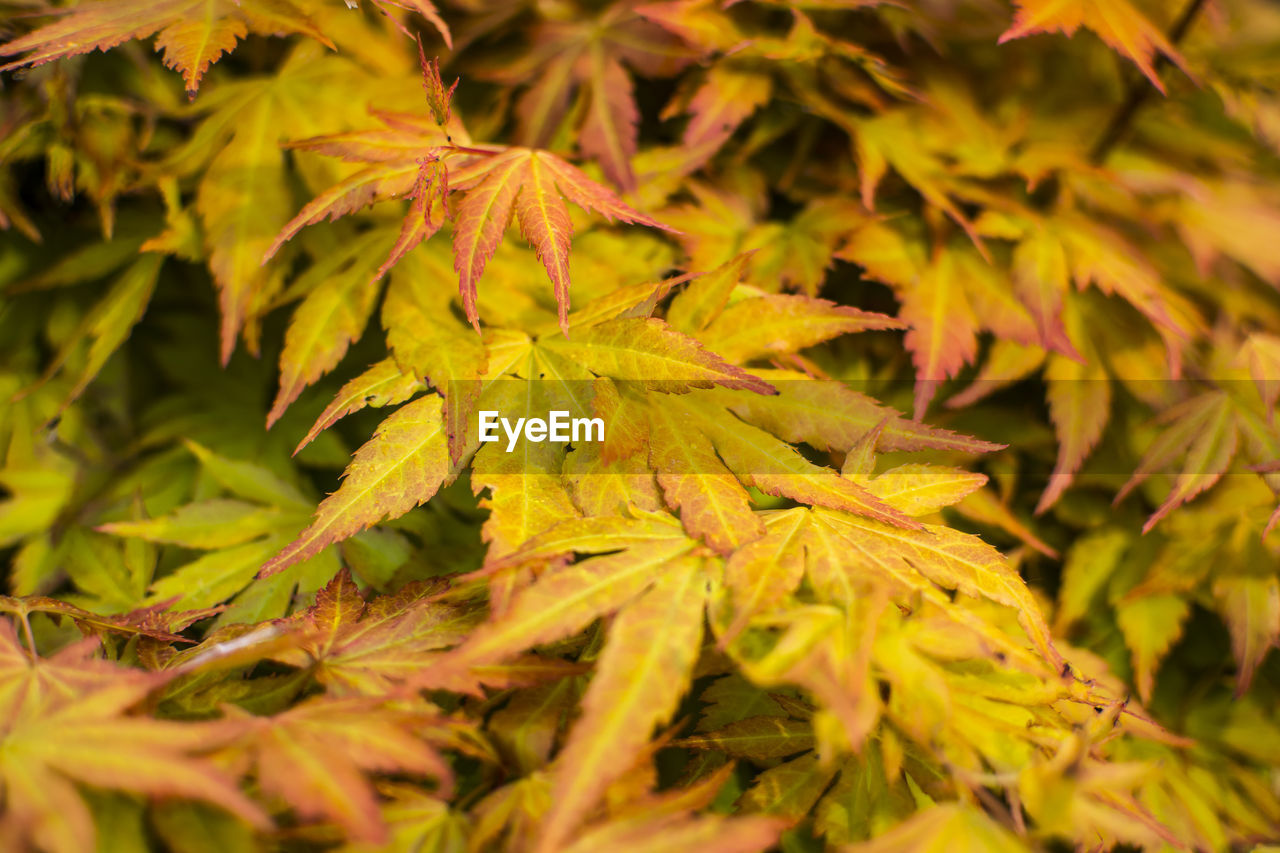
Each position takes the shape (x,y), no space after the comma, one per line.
(937,347)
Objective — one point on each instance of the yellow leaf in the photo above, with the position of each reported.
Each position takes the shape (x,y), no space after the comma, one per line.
(1116,22)
(641,675)
(401,467)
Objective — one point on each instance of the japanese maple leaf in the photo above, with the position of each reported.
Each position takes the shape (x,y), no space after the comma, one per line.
(589,59)
(494,183)
(192,33)
(316,755)
(1116,22)
(65,720)
(359,647)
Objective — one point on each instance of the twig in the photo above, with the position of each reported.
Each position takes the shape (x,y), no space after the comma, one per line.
(1140,89)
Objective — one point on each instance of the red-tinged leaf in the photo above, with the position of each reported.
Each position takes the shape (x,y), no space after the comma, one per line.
(348,196)
(641,675)
(1080,406)
(192,33)
(383,384)
(65,721)
(403,465)
(482,220)
(399,143)
(704,833)
(650,352)
(1204,435)
(1101,256)
(426,213)
(426,9)
(713,505)
(544,221)
(439,99)
(316,754)
(944,330)
(724,101)
(364,648)
(1251,608)
(192,44)
(1041,279)
(609,129)
(142,622)
(589,195)
(782,324)
(1116,22)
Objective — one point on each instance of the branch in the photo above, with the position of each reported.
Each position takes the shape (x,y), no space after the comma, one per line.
(1140,90)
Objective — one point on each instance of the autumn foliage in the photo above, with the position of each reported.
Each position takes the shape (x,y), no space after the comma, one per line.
(937,349)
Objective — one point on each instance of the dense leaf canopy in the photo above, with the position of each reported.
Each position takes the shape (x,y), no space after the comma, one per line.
(934,349)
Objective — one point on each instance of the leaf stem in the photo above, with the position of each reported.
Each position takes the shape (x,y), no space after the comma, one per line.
(466,149)
(26,630)
(1140,89)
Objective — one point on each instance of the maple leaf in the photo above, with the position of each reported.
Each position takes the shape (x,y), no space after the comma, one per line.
(495,183)
(713,505)
(941,825)
(366,648)
(1251,609)
(1116,22)
(334,313)
(649,352)
(564,601)
(383,384)
(244,194)
(644,670)
(192,33)
(402,466)
(756,737)
(779,325)
(1205,432)
(709,833)
(337,741)
(588,60)
(146,622)
(415,821)
(66,722)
